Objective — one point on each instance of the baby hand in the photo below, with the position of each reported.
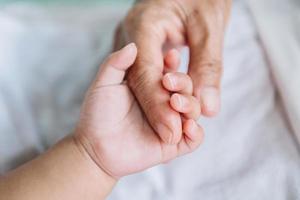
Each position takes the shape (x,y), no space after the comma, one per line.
(114,131)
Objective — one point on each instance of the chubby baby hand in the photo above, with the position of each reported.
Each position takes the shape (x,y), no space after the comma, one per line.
(115,132)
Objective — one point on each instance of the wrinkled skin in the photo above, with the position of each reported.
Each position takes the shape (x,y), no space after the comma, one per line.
(113,129)
(158,25)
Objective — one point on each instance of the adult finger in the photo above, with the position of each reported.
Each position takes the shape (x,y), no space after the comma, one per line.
(205,39)
(144,79)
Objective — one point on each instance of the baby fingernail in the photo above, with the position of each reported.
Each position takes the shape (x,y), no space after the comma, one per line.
(211,99)
(179,100)
(171,80)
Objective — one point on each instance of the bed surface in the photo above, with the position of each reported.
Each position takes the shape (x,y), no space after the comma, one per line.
(48,57)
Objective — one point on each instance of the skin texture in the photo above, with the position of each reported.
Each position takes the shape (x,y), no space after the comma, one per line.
(113,139)
(120,132)
(156,26)
(114,130)
(65,171)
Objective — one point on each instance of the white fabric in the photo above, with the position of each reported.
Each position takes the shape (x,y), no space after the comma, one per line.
(48,59)
(278,22)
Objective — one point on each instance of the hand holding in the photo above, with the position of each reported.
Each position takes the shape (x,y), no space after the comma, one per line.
(115,132)
(157,26)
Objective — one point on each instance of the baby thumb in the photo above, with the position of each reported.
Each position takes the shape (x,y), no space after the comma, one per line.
(112,71)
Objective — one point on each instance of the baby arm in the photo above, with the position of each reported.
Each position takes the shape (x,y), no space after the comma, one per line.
(112,139)
(64,172)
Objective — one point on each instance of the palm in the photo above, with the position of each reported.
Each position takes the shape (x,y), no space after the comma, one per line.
(123,140)
(114,130)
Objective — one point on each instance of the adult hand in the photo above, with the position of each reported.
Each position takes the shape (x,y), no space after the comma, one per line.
(114,131)
(157,25)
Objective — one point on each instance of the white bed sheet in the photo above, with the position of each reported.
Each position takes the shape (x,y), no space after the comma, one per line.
(278,23)
(48,59)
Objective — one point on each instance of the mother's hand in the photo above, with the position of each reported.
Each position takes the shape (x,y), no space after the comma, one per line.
(156,25)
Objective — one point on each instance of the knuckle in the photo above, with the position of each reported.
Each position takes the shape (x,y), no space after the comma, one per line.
(137,79)
(208,73)
(140,82)
(212,67)
(141,16)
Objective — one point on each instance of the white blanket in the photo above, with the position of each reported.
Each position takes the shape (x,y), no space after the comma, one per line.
(48,58)
(278,23)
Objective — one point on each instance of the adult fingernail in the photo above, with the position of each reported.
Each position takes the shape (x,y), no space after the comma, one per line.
(210,98)
(165,133)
